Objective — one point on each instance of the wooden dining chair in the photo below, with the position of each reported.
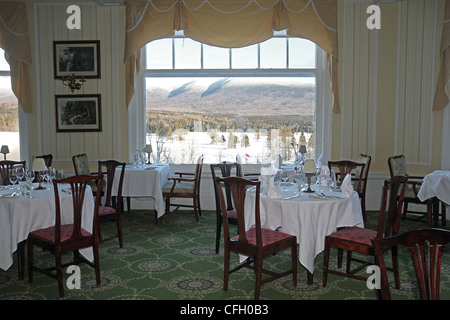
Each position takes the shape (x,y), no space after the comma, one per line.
(257,242)
(61,238)
(6,165)
(223,170)
(426,248)
(362,174)
(359,240)
(345,167)
(185,187)
(397,167)
(48,159)
(247,175)
(111,209)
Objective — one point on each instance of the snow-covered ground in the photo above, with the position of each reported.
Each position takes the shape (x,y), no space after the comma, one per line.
(186,147)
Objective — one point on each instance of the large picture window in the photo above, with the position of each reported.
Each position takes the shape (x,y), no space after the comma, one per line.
(257,102)
(9,112)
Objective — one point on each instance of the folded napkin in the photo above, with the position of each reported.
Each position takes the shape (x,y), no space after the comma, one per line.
(268,186)
(320,160)
(347,187)
(271,190)
(325,173)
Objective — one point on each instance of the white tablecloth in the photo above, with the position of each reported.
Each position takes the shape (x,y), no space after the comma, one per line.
(145,182)
(310,217)
(436,184)
(19,216)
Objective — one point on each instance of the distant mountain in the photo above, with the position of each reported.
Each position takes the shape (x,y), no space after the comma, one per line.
(235,96)
(7,96)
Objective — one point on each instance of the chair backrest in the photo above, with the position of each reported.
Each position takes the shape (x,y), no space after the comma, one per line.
(240,172)
(224,170)
(346,167)
(108,169)
(397,166)
(363,172)
(198,174)
(426,248)
(391,206)
(81,164)
(77,187)
(6,165)
(48,159)
(238,187)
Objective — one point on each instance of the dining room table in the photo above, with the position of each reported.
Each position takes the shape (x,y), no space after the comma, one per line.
(308,216)
(436,188)
(144,181)
(22,213)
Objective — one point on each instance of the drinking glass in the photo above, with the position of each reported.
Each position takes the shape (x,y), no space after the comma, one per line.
(20,173)
(284,178)
(30,176)
(298,180)
(12,177)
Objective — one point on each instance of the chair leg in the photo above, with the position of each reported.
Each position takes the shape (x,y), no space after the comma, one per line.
(226,269)
(326,260)
(195,209)
(59,276)
(444,214)
(218,232)
(349,261)
(30,260)
(198,205)
(339,258)
(258,270)
(96,263)
(294,263)
(119,229)
(395,267)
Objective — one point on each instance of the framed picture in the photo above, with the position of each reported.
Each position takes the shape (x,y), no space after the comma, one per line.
(80,113)
(81,58)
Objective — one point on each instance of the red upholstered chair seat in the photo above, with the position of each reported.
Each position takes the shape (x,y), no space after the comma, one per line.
(232,214)
(48,234)
(268,236)
(105,210)
(356,234)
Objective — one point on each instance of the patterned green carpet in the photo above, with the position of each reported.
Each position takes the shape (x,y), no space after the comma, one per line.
(176,260)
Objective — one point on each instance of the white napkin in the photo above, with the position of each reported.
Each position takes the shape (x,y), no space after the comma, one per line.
(267,184)
(319,160)
(347,187)
(272,191)
(325,173)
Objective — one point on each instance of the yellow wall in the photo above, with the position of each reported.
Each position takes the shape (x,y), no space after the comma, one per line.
(387,79)
(104,23)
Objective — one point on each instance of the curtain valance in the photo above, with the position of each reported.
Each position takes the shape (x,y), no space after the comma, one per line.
(230,24)
(15,40)
(441,98)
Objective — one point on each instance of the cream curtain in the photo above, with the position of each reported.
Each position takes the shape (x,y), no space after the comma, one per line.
(15,40)
(231,24)
(441,98)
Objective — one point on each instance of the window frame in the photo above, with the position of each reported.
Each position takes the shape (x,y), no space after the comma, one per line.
(323,108)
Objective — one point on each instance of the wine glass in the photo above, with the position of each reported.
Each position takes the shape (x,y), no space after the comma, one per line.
(20,173)
(30,176)
(51,175)
(298,180)
(12,177)
(284,178)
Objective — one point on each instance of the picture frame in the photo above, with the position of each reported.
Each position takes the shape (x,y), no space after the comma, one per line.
(78,58)
(78,113)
